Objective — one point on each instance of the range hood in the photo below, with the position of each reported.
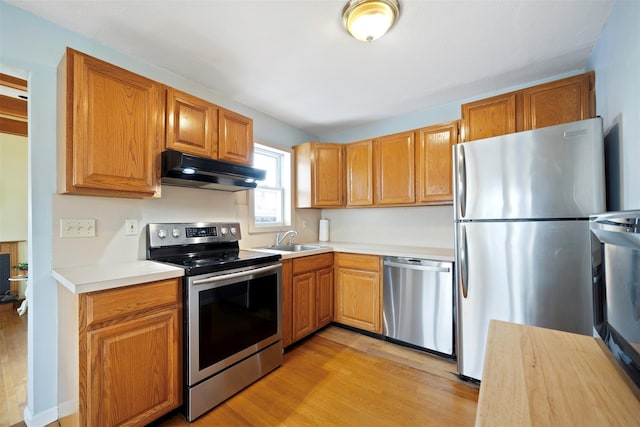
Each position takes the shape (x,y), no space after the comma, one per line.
(185,170)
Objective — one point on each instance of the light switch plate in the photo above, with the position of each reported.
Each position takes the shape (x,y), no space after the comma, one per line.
(131,227)
(70,228)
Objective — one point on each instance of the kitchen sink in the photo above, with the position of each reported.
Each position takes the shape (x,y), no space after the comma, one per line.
(294,248)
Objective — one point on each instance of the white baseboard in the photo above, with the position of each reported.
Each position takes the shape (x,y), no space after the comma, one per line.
(40,419)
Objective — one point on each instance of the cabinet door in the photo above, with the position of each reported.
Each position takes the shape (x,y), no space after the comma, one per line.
(562,101)
(192,124)
(394,169)
(287,303)
(324,297)
(327,175)
(358,299)
(359,170)
(123,387)
(114,128)
(235,138)
(489,117)
(304,297)
(434,172)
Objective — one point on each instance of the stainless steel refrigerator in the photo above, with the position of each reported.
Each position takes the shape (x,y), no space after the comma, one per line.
(522,242)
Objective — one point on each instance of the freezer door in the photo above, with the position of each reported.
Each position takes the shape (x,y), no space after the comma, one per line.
(533,273)
(554,172)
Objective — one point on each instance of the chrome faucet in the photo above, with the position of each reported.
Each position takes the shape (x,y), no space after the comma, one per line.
(291,234)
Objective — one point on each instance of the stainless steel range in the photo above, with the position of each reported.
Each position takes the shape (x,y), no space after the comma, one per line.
(232,309)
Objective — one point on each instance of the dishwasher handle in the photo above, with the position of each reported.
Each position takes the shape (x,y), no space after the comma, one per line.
(417,267)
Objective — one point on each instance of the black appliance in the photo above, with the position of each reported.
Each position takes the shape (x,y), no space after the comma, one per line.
(186,170)
(232,309)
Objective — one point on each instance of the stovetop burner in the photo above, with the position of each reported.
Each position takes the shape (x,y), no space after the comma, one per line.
(201,248)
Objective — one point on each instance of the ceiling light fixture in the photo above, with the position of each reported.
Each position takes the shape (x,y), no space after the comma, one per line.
(368,20)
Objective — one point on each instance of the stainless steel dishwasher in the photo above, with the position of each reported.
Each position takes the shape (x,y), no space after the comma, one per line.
(418,303)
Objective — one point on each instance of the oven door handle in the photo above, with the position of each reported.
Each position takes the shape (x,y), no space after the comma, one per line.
(234,275)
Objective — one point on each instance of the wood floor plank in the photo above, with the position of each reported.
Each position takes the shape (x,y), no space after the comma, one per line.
(341,378)
(13,367)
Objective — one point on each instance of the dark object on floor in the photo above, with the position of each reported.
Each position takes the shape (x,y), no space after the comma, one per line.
(8,297)
(5,273)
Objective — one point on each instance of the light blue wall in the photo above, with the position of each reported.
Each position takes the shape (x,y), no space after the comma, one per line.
(31,47)
(426,117)
(616,61)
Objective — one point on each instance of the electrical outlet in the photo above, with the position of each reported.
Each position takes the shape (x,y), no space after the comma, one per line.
(131,227)
(77,228)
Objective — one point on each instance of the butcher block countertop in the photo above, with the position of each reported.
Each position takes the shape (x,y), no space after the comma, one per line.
(541,377)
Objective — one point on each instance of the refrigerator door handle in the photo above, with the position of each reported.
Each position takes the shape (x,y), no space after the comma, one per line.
(464,269)
(461,181)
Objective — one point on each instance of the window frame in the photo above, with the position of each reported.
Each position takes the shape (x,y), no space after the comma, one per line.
(287,197)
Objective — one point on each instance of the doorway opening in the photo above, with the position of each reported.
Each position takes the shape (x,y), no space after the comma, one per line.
(14,266)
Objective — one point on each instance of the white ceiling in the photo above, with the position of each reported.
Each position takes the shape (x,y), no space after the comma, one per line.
(294,61)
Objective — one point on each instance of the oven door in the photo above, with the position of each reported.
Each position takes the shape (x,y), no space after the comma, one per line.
(231,315)
(616,278)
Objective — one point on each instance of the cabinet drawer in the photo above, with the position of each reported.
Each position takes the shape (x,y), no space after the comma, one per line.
(357,261)
(116,303)
(312,262)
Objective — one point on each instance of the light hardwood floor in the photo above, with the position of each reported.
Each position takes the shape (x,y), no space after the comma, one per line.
(342,378)
(13,366)
(335,378)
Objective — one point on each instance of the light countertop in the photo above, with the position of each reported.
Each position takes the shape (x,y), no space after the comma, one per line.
(99,277)
(90,278)
(437,254)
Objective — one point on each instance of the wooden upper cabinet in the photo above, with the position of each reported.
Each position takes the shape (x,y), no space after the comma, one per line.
(547,104)
(111,123)
(235,137)
(319,169)
(489,117)
(434,174)
(192,124)
(394,169)
(562,101)
(359,171)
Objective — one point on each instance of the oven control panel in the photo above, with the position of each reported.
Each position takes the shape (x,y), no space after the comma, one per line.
(172,234)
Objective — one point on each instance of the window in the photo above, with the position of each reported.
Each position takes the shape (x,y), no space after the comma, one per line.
(271,201)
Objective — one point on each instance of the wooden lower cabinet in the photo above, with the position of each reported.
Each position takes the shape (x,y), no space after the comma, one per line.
(358,291)
(303,321)
(128,363)
(307,286)
(324,297)
(287,303)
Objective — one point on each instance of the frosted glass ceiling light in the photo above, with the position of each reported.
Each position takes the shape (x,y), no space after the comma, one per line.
(368,20)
